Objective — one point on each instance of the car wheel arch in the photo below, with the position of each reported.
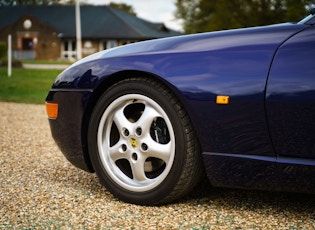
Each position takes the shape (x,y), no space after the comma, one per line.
(102,87)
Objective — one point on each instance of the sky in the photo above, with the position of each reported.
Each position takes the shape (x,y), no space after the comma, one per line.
(150,10)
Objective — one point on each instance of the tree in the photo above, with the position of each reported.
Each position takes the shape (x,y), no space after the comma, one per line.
(125,7)
(206,15)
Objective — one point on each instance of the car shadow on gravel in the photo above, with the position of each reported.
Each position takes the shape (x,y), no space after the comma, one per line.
(205,194)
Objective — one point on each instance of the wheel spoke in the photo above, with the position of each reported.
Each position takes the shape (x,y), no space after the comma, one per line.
(120,120)
(137,168)
(146,119)
(116,152)
(157,150)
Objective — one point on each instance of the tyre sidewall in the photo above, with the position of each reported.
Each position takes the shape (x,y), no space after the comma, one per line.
(168,104)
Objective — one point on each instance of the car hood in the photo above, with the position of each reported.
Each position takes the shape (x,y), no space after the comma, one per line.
(202,42)
(149,55)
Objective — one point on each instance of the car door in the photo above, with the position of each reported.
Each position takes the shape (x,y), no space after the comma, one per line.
(290,97)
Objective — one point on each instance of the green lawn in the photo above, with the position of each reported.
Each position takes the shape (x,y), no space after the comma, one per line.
(26,85)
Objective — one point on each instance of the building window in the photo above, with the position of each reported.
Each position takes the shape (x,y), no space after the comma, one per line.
(107,44)
(65,46)
(69,50)
(111,44)
(124,42)
(74,45)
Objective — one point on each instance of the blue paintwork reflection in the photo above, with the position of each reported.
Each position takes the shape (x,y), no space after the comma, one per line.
(291,97)
(268,73)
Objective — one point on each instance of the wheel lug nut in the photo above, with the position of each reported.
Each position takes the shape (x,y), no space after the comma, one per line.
(134,156)
(144,147)
(126,132)
(124,147)
(139,131)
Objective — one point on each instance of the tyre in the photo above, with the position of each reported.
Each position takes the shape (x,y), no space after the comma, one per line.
(142,144)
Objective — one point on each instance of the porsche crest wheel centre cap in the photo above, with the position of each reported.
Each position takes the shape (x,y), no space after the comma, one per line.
(133,142)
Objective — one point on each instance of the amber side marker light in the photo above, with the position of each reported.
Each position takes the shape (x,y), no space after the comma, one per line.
(223,100)
(52,110)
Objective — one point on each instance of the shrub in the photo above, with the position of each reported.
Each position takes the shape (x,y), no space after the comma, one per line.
(3,50)
(4,59)
(15,63)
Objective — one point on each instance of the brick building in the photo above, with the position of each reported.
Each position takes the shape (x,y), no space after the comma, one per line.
(48,32)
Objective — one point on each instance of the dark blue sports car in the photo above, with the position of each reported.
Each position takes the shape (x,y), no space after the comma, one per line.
(152,118)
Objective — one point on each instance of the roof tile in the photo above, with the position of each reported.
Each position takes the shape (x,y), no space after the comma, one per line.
(96,21)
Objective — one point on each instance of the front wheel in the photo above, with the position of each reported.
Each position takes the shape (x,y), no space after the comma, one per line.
(142,145)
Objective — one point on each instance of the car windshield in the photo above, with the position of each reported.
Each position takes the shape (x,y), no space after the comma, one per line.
(309,19)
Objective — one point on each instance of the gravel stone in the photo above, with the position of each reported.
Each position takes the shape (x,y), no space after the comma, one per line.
(40,189)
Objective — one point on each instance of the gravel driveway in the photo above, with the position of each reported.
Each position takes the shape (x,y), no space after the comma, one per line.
(39,189)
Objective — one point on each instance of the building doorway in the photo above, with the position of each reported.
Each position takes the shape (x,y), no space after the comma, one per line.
(27,44)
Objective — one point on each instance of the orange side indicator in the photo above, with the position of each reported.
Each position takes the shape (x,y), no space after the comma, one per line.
(223,100)
(52,110)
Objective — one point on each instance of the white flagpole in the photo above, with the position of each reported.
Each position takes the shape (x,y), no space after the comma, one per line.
(78,29)
(9,55)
